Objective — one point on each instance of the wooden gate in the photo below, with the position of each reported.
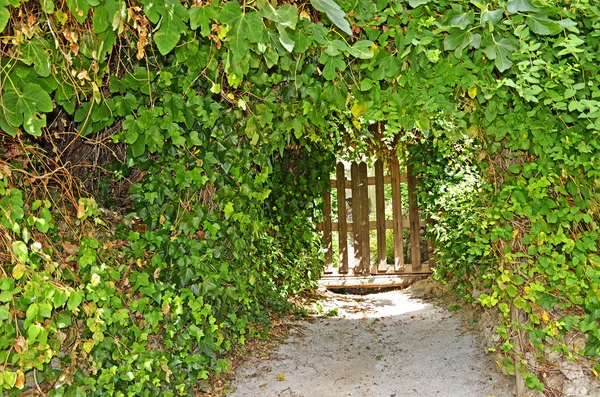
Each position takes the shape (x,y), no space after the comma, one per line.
(356,261)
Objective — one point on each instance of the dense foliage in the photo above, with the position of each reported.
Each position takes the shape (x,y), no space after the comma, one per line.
(230,113)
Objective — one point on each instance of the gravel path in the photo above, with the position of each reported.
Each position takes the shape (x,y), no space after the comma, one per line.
(387,344)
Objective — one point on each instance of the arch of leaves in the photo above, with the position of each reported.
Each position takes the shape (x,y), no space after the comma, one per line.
(234,113)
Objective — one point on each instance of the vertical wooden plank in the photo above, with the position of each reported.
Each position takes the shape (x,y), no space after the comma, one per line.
(413,216)
(327,232)
(397,213)
(364,223)
(380,214)
(342,229)
(356,217)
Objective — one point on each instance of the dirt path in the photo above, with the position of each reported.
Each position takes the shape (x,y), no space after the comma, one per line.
(388,344)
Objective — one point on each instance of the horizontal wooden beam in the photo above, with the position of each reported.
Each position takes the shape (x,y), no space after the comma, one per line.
(373,225)
(389,224)
(384,281)
(370,181)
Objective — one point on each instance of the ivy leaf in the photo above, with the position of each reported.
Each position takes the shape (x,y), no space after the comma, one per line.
(362,49)
(416,3)
(245,28)
(501,52)
(80,9)
(515,6)
(458,40)
(20,250)
(21,108)
(491,18)
(331,64)
(462,20)
(228,210)
(47,6)
(75,298)
(542,25)
(104,15)
(286,16)
(200,17)
(388,66)
(334,13)
(34,52)
(285,39)
(335,47)
(366,9)
(4,17)
(174,16)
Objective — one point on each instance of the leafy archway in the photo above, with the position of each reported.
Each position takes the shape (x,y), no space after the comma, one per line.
(225,117)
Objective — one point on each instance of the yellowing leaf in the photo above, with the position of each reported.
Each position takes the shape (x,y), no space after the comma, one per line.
(358,110)
(18,271)
(472,92)
(545,317)
(80,210)
(88,345)
(280,376)
(20,382)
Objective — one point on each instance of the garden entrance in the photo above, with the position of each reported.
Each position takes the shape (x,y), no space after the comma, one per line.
(372,230)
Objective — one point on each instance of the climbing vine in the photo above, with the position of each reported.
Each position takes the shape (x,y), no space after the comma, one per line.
(223,118)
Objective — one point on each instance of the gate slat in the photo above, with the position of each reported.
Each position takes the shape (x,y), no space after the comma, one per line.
(364,223)
(380,214)
(327,232)
(397,211)
(413,216)
(342,228)
(356,218)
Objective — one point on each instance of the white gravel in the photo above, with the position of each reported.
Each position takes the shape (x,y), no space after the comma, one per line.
(387,344)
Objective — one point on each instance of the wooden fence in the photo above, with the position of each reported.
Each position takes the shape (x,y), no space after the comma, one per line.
(358,262)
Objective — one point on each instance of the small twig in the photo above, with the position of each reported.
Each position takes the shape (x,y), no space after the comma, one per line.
(37,385)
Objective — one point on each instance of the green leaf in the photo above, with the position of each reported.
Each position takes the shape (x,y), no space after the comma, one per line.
(44,221)
(331,64)
(463,20)
(35,52)
(387,66)
(9,377)
(76,392)
(6,296)
(286,16)
(47,6)
(416,3)
(542,25)
(20,250)
(4,313)
(245,28)
(334,13)
(75,299)
(362,49)
(515,6)
(285,39)
(491,17)
(45,310)
(33,331)
(4,17)
(79,9)
(21,108)
(174,16)
(501,52)
(104,15)
(458,40)
(200,17)
(32,311)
